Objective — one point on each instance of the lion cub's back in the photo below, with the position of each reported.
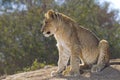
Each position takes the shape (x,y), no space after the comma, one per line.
(87,38)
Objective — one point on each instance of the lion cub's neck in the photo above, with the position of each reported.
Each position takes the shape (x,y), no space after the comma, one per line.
(63,33)
(60,36)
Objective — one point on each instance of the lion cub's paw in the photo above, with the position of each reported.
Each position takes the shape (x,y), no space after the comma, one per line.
(55,73)
(96,68)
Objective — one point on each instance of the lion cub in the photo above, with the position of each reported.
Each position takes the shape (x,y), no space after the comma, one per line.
(75,43)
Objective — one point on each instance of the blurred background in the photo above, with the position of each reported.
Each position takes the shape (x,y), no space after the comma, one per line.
(23,47)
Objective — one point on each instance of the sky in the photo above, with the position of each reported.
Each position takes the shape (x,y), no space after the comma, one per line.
(114,4)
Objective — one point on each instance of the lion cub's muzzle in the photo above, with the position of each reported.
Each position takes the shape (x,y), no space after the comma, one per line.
(45,33)
(48,32)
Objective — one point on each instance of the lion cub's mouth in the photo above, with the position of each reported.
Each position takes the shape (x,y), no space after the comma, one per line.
(48,32)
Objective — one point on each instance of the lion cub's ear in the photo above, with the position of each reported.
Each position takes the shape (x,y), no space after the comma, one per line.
(50,14)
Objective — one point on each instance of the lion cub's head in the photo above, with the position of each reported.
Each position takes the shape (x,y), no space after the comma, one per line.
(49,24)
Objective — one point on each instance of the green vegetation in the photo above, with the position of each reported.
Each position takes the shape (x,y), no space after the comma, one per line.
(35,65)
(23,47)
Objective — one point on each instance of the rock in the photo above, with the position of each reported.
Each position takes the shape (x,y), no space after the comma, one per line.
(110,73)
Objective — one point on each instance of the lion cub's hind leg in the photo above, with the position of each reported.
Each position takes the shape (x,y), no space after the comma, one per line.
(103,58)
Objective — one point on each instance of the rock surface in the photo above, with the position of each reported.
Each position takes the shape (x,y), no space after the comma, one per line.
(110,73)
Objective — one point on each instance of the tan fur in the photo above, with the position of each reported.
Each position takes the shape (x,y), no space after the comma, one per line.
(76,43)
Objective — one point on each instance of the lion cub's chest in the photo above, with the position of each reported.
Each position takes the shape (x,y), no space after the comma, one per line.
(64,44)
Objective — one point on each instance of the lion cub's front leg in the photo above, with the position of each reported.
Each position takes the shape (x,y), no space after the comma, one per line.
(74,61)
(62,62)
